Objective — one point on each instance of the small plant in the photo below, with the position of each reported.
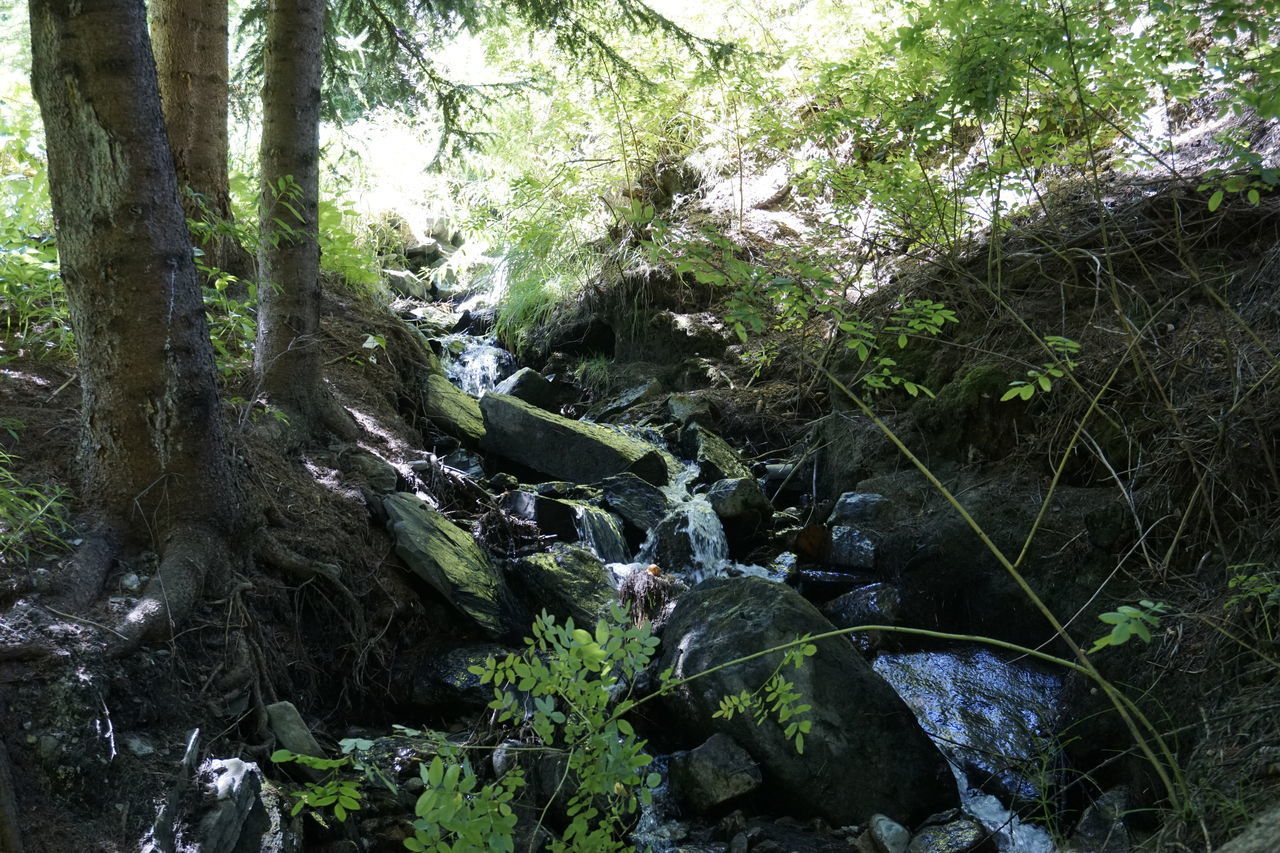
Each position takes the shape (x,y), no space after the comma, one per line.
(1253,589)
(1128,621)
(335,793)
(564,688)
(1041,379)
(456,814)
(30,516)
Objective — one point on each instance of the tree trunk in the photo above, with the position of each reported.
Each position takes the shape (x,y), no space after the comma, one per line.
(154,461)
(287,359)
(190,42)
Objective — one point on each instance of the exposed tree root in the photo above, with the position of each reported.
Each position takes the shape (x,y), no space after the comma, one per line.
(170,596)
(84,572)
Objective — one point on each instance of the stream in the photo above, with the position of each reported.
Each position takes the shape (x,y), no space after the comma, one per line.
(992,716)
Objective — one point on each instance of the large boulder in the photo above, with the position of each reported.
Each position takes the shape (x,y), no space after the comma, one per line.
(641,504)
(563,448)
(864,754)
(449,560)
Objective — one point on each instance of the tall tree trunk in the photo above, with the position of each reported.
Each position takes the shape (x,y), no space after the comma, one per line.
(190,43)
(154,461)
(287,359)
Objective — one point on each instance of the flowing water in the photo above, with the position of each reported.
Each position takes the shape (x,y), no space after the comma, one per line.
(478,365)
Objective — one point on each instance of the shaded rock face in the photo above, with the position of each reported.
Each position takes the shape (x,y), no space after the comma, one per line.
(713,773)
(442,678)
(563,448)
(639,503)
(448,559)
(865,753)
(567,582)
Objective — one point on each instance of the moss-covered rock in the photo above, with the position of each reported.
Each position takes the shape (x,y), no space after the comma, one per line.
(453,410)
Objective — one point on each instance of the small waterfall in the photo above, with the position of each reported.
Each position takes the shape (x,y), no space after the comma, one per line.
(601,532)
(480,365)
(689,542)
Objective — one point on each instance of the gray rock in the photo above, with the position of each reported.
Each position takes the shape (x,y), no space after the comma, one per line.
(957,836)
(873,604)
(1101,828)
(601,532)
(408,284)
(531,386)
(865,753)
(740,501)
(713,774)
(683,408)
(640,504)
(290,730)
(615,406)
(448,558)
(569,450)
(567,582)
(851,549)
(888,835)
(716,459)
(138,745)
(453,410)
(853,509)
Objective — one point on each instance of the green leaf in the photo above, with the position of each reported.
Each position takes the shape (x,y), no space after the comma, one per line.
(1215,200)
(1255,198)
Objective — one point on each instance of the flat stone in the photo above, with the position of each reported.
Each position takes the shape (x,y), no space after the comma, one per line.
(564,448)
(716,459)
(448,558)
(290,730)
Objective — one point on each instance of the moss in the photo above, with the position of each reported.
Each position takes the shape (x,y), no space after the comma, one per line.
(968,413)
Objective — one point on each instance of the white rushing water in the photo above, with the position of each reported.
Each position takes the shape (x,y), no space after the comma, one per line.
(480,365)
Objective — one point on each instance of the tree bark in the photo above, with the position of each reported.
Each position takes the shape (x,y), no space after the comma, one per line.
(189,38)
(153,457)
(287,359)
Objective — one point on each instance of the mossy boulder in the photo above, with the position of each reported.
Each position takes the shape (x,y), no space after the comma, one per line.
(969,417)
(453,410)
(449,560)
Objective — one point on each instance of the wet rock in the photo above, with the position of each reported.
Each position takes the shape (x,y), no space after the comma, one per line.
(570,450)
(712,774)
(464,462)
(716,459)
(854,509)
(567,582)
(448,558)
(888,835)
(1101,828)
(290,730)
(990,714)
(443,679)
(601,533)
(683,408)
(865,754)
(873,604)
(409,284)
(453,410)
(476,321)
(851,549)
(640,504)
(962,835)
(531,386)
(690,541)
